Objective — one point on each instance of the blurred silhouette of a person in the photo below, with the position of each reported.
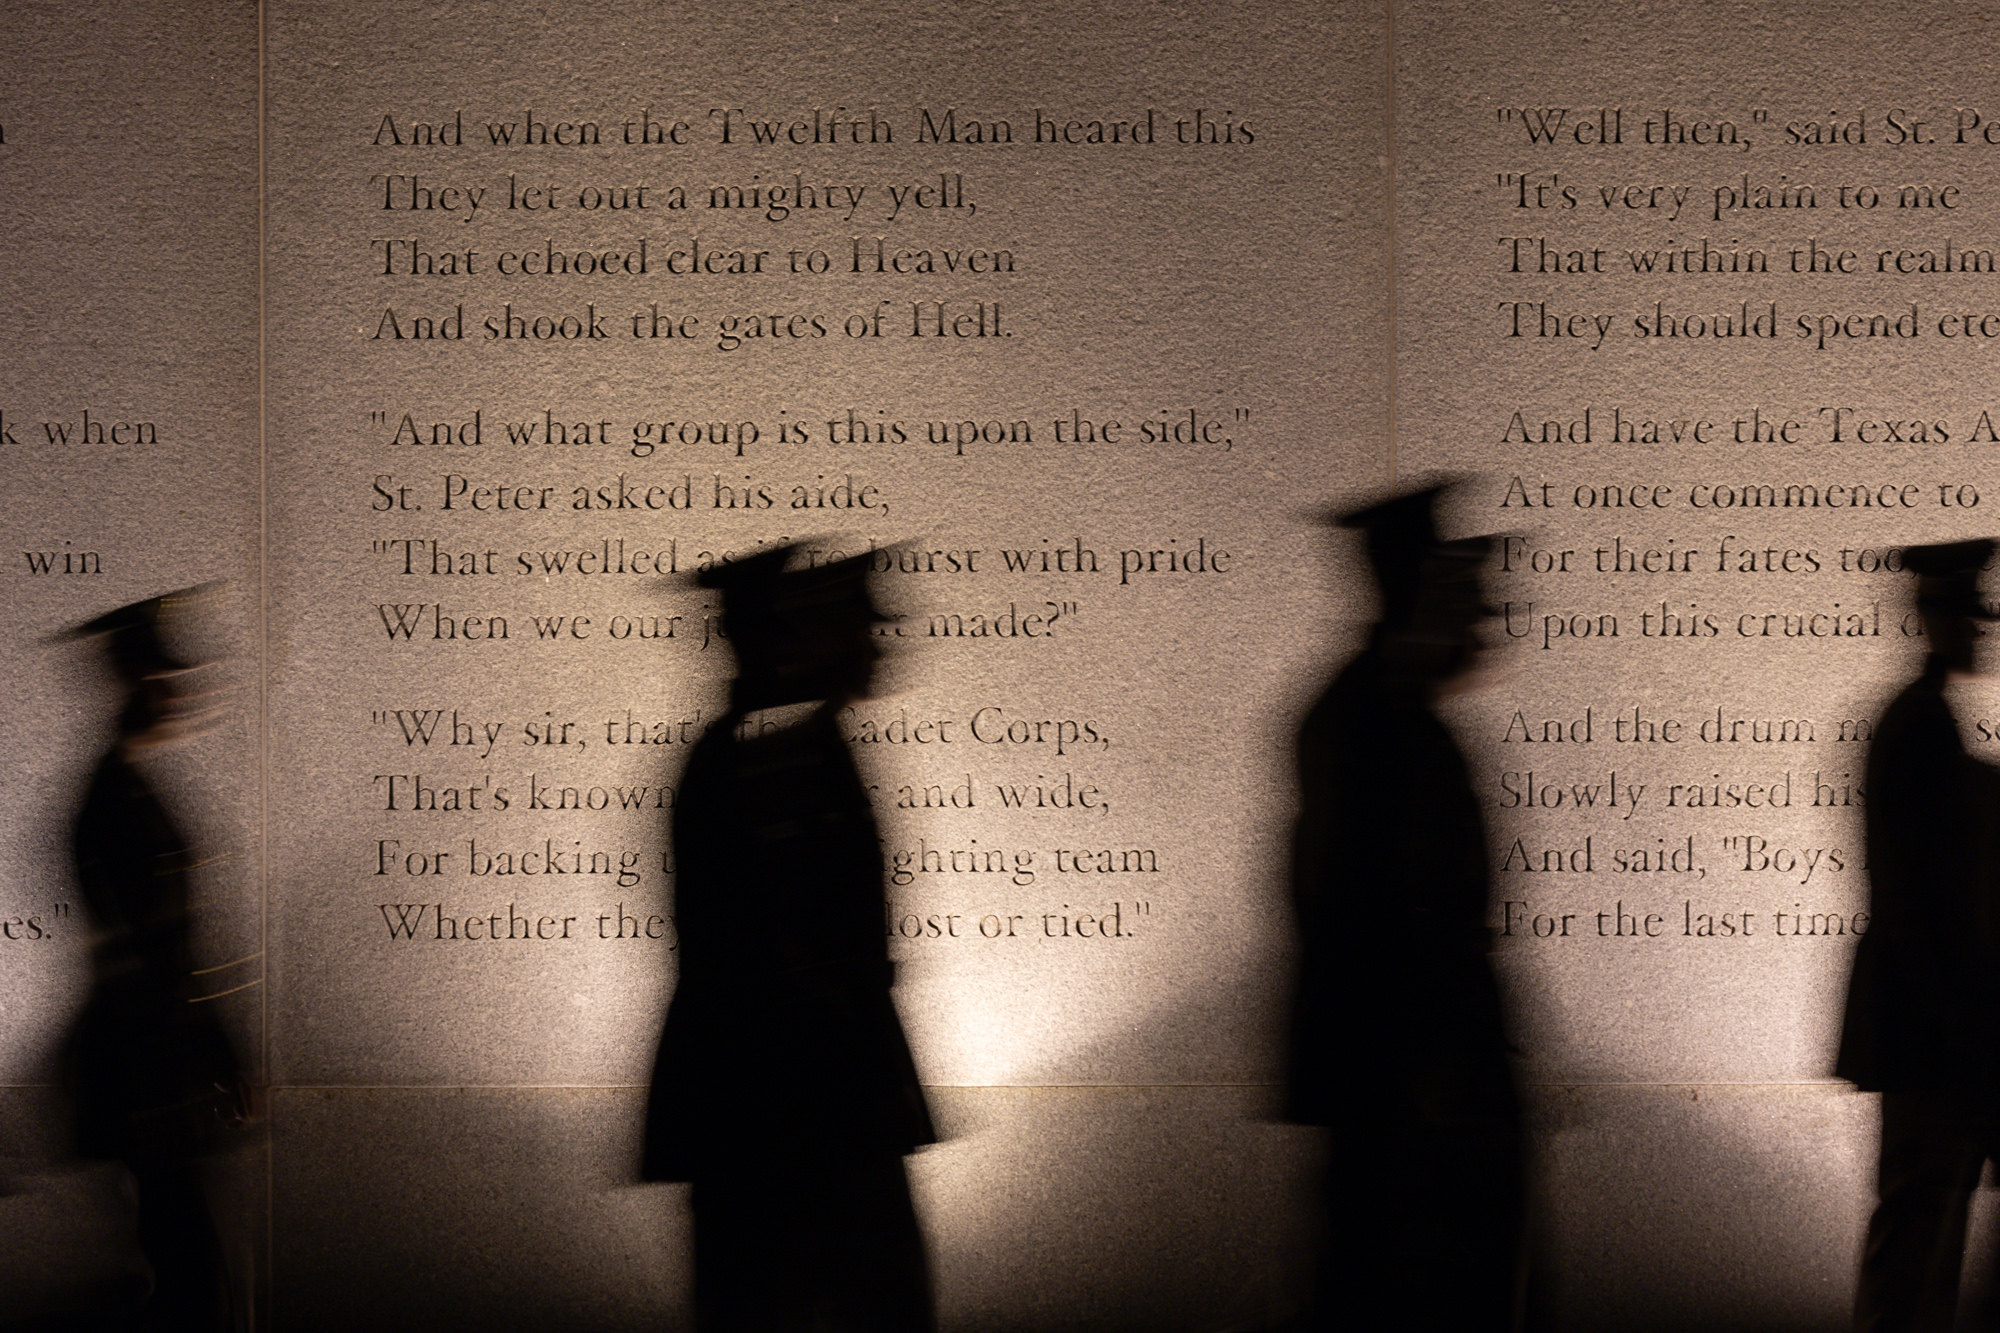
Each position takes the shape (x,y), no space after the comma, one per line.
(1398,1040)
(784,1089)
(1923,1003)
(155,1080)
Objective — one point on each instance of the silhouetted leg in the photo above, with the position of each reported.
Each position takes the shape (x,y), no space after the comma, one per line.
(747,1256)
(1423,1229)
(1933,1146)
(778,1242)
(1440,1244)
(877,1278)
(1329,1266)
(177,1234)
(1986,1316)
(1357,1279)
(1466,1270)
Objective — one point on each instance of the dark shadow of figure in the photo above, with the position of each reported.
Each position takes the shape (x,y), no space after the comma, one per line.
(155,1080)
(784,1089)
(1397,1039)
(1923,1005)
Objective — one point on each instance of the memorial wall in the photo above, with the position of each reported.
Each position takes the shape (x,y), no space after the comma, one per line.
(1703,297)
(557,318)
(453,343)
(129,420)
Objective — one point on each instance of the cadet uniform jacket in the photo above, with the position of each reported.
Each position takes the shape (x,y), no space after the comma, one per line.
(781,1036)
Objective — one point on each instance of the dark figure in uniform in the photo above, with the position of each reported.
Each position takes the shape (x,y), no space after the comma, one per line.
(156,1081)
(784,1089)
(1397,1039)
(1922,1025)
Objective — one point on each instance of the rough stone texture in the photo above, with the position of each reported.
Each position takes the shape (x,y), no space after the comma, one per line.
(451,1122)
(1712,1206)
(128,418)
(1089,1208)
(1147,284)
(131,295)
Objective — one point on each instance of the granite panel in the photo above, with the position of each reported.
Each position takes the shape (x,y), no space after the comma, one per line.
(1711,1206)
(1205,283)
(1693,640)
(128,195)
(68,1225)
(1084,1208)
(1698,627)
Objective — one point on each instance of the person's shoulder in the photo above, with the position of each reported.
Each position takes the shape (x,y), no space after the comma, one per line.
(1918,707)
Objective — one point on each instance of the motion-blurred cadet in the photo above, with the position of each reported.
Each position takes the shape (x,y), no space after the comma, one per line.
(156,1082)
(1923,1005)
(1397,1039)
(784,1089)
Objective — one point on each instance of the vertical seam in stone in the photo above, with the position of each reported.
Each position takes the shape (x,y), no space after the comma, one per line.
(263,689)
(1389,193)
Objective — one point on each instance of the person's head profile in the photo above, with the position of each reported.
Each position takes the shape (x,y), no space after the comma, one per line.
(801,635)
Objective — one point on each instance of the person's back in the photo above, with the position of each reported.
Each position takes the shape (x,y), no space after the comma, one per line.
(1920,1021)
(154,1080)
(784,1089)
(1398,1038)
(782,1035)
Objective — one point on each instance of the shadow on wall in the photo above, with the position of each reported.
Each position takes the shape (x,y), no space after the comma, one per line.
(1662,1208)
(1101,1210)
